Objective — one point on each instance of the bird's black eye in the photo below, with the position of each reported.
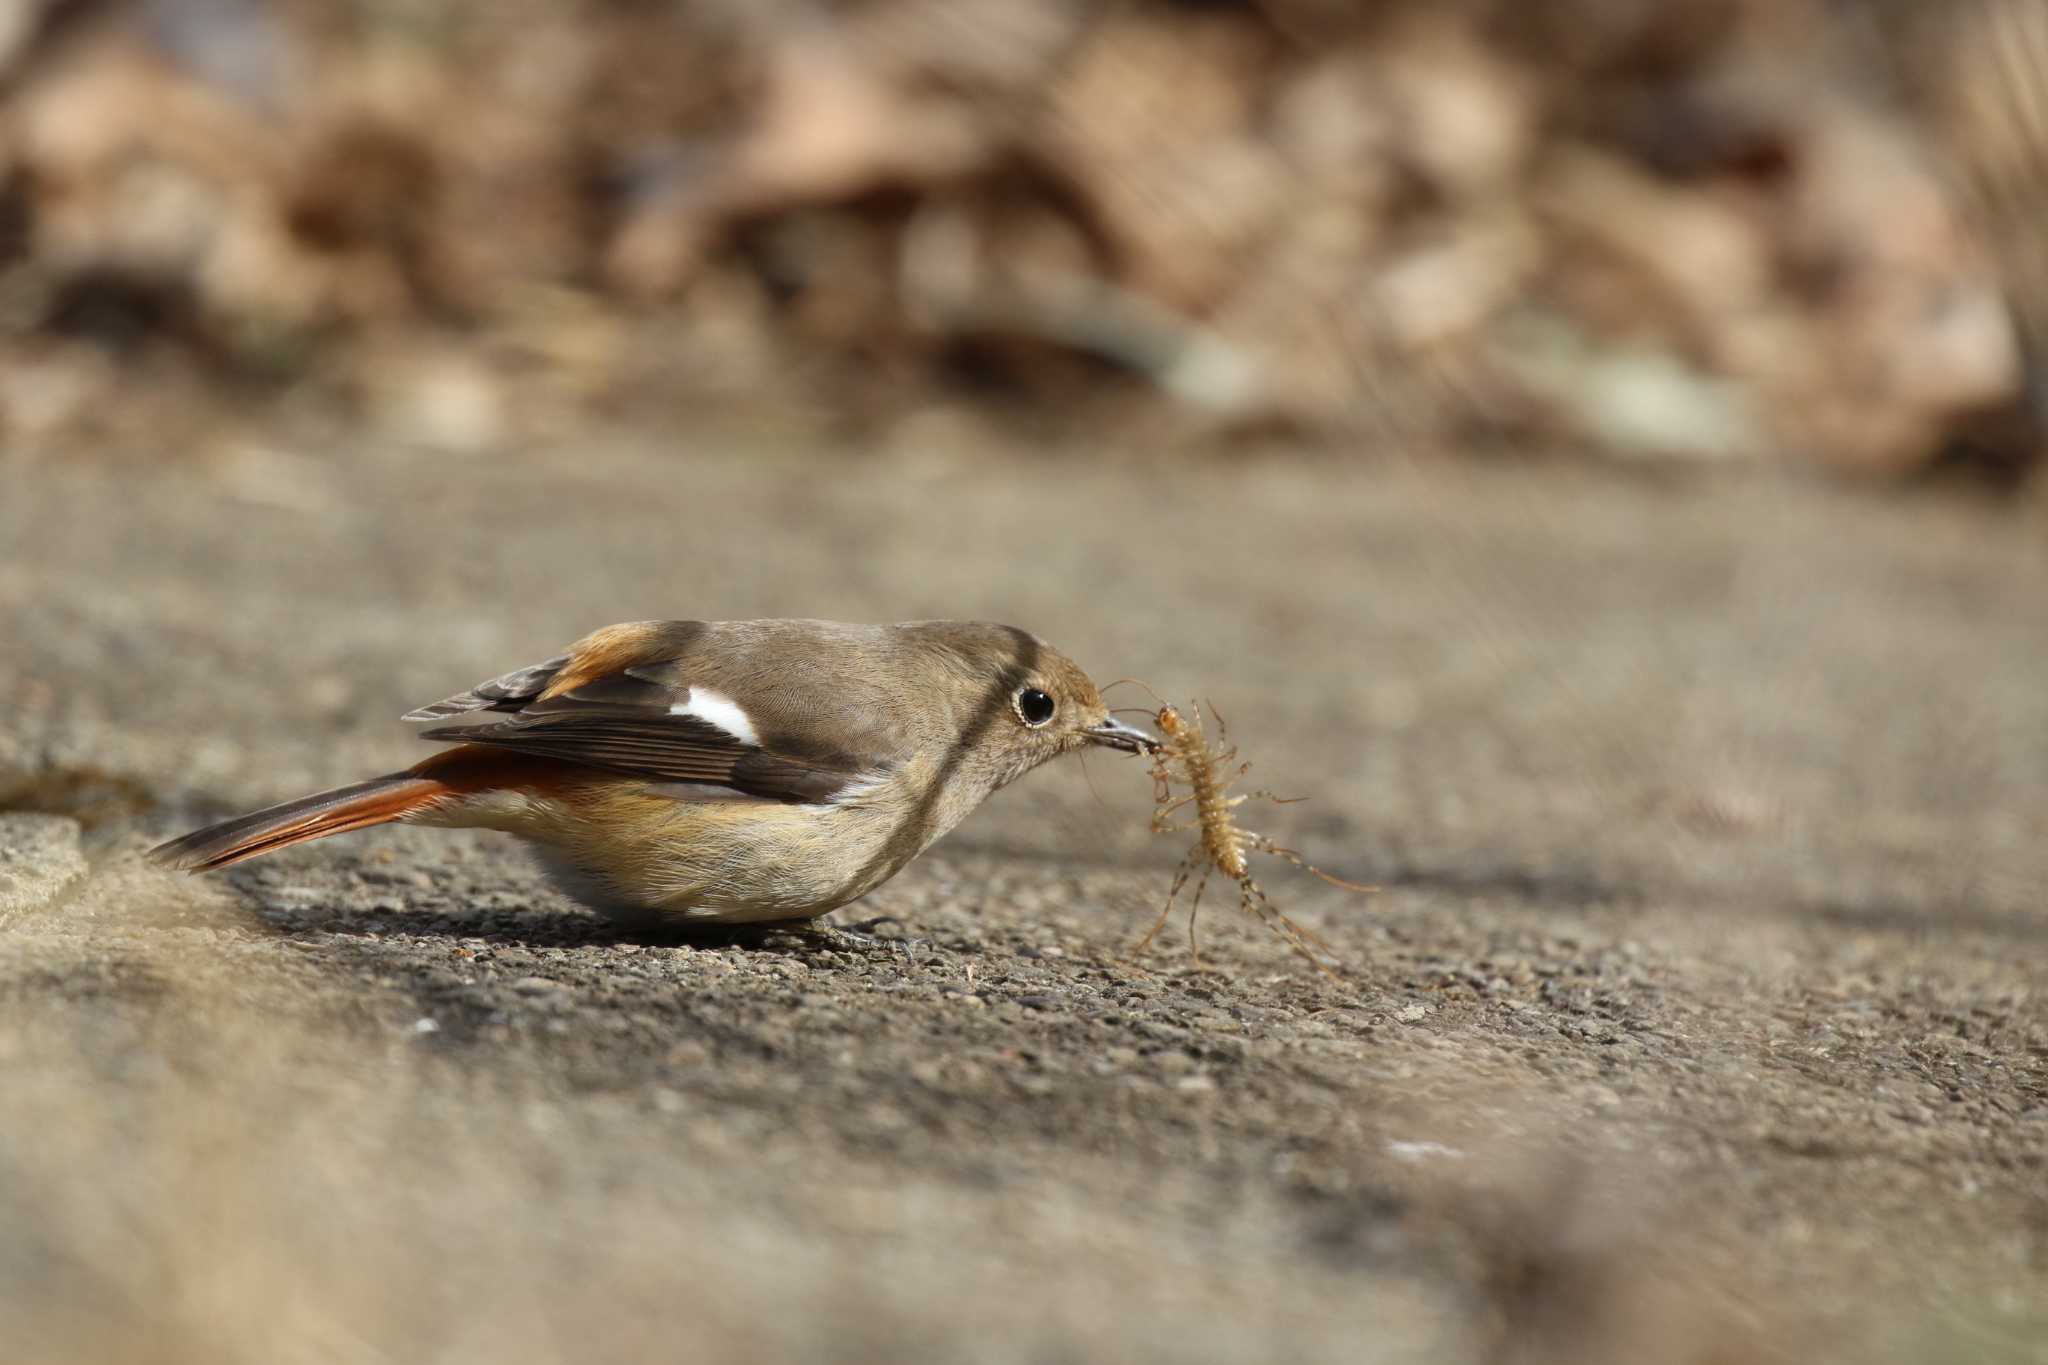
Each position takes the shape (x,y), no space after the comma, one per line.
(1034,707)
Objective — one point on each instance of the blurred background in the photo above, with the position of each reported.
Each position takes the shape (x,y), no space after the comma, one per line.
(1795,232)
(1589,447)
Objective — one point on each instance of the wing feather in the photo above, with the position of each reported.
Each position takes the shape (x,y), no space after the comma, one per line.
(620,699)
(506,692)
(628,725)
(674,749)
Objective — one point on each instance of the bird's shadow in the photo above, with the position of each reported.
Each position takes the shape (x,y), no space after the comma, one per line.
(543,922)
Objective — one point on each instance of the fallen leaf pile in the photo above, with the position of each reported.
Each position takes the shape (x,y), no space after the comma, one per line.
(1710,229)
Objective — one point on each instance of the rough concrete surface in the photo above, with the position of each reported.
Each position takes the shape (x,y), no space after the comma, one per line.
(39,857)
(1700,1018)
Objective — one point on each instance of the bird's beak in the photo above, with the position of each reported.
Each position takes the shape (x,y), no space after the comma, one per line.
(1117,735)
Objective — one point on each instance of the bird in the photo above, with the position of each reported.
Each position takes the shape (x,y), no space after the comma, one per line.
(720,771)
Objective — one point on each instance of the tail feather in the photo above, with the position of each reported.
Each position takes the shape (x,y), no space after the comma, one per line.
(357,806)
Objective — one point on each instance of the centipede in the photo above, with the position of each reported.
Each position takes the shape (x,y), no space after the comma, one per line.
(1192,780)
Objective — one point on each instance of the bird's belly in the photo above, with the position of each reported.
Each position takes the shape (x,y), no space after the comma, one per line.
(625,851)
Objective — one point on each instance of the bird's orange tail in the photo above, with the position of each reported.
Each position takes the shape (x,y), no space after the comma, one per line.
(376,802)
(456,772)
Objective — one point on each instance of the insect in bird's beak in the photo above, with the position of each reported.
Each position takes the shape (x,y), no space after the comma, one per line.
(1118,735)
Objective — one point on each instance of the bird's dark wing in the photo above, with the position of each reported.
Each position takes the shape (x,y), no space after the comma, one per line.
(615,701)
(507,692)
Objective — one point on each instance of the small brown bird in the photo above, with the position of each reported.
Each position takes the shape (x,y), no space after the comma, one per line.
(722,770)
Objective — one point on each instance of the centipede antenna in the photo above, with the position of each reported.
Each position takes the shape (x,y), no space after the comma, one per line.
(1136,682)
(1089,778)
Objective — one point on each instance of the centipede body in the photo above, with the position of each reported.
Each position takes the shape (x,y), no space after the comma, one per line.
(1186,759)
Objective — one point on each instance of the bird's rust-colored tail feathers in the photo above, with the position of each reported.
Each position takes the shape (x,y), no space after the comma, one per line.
(455,773)
(376,802)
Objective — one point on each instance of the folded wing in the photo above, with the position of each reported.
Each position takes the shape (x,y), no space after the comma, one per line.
(640,719)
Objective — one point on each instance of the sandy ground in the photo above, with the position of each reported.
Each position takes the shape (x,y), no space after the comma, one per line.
(1701,1017)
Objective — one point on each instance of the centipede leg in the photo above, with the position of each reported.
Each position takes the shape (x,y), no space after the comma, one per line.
(1160,824)
(1180,879)
(1268,794)
(1195,908)
(1260,907)
(1266,845)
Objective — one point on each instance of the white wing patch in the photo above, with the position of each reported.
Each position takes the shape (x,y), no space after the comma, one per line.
(857,791)
(716,708)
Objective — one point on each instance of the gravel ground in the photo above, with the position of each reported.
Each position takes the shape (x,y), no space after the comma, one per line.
(1700,1018)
